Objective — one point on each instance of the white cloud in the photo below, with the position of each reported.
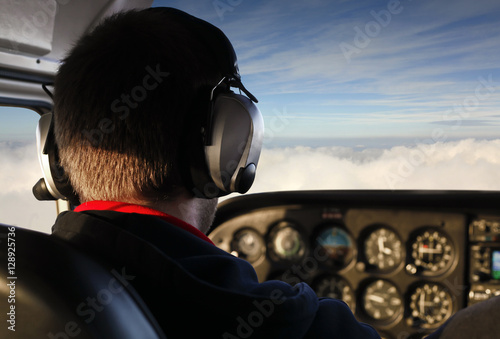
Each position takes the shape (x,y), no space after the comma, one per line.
(466,164)
(19,171)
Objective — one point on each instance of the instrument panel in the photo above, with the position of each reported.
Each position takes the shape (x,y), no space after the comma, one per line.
(401,268)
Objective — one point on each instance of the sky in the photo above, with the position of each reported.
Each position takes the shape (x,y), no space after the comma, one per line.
(354,95)
(373,73)
(380,72)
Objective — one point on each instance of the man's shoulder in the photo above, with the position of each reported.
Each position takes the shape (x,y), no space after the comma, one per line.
(175,270)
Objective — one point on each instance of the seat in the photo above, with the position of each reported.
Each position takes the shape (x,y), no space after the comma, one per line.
(51,290)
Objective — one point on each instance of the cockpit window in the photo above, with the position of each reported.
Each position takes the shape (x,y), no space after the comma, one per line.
(369,94)
(19,171)
(355,95)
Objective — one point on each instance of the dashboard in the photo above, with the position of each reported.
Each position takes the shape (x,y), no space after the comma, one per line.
(403,261)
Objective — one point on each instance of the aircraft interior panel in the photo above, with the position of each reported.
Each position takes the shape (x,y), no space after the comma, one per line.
(405,267)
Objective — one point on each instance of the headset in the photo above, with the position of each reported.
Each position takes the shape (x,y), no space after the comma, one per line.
(55,183)
(218,159)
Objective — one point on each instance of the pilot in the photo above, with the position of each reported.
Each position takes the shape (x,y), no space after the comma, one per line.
(142,107)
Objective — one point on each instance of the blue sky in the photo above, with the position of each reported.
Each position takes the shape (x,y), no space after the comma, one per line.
(367,70)
(366,73)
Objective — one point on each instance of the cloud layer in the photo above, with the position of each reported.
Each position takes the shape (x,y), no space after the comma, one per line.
(466,164)
(19,171)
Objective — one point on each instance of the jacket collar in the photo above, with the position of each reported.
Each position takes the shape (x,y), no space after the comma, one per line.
(124,207)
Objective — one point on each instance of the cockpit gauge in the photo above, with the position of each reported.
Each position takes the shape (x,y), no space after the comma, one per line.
(382,301)
(337,288)
(431,304)
(248,244)
(336,245)
(382,249)
(432,251)
(286,242)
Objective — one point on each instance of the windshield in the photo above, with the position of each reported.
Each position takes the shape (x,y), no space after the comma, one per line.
(369,94)
(19,171)
(354,94)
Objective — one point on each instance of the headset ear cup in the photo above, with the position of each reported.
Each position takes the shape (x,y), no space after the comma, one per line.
(245,178)
(233,151)
(56,183)
(196,176)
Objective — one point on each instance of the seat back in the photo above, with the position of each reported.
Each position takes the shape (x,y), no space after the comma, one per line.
(51,290)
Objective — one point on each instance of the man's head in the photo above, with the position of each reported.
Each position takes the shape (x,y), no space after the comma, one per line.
(130,100)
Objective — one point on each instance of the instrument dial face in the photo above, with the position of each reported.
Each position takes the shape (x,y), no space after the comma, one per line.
(432,251)
(286,242)
(432,304)
(336,288)
(337,245)
(382,301)
(248,244)
(383,249)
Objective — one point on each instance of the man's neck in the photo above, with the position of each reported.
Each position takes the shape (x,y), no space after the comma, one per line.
(194,211)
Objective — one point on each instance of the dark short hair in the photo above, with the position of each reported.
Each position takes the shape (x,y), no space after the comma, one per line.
(127,96)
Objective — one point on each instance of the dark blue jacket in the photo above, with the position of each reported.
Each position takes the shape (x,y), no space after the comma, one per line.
(196,290)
